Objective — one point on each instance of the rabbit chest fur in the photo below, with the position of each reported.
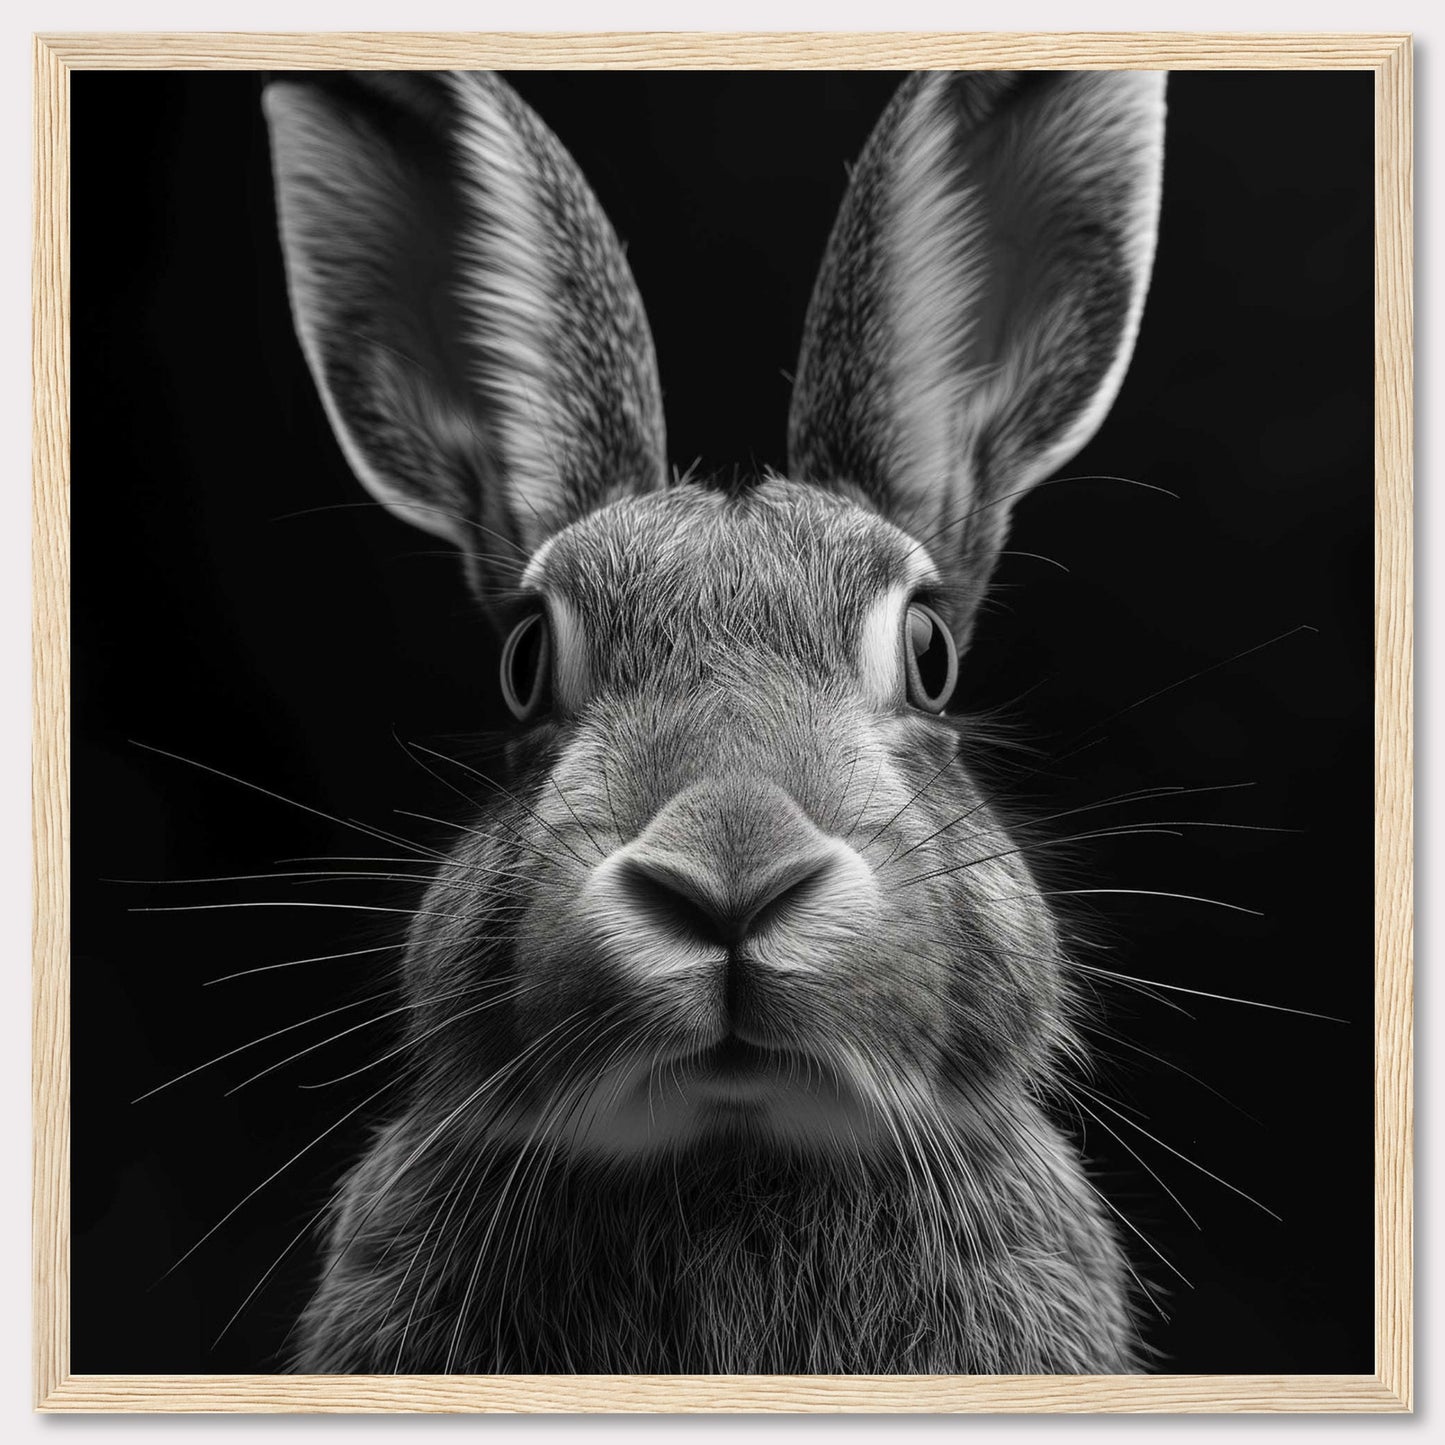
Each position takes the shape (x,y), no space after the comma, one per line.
(734,1014)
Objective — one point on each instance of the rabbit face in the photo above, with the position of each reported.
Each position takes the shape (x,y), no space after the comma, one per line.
(755,880)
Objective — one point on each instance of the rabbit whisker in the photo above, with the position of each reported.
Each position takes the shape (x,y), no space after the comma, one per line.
(1178,1154)
(1132,892)
(275,1033)
(1164,827)
(411,1043)
(297,962)
(1202,672)
(1201,993)
(451,863)
(275,1174)
(290,802)
(1036,556)
(356,1028)
(512,835)
(297,903)
(1139,1158)
(1124,1043)
(1139,986)
(506,792)
(292,1243)
(1138,795)
(1135,831)
(567,802)
(1085,739)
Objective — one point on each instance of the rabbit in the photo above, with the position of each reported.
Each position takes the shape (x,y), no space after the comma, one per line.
(733,1017)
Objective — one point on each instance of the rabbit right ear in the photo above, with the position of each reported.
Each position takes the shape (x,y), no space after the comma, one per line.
(979,297)
(464,305)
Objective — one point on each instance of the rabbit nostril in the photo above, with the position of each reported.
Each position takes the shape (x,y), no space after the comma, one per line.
(710,913)
(791,889)
(668,900)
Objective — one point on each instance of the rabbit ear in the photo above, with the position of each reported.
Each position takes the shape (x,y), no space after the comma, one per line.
(979,296)
(463,303)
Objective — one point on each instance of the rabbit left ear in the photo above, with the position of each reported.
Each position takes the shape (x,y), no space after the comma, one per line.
(979,298)
(463,303)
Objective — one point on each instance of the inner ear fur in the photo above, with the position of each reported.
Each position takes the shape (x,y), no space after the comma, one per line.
(464,306)
(979,298)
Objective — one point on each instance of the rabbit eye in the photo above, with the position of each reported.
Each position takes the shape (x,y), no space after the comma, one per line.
(930,658)
(527,667)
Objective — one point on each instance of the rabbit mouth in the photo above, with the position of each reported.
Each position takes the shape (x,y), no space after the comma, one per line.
(737,1070)
(735,1055)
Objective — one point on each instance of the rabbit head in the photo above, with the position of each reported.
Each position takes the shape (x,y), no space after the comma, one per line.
(738,880)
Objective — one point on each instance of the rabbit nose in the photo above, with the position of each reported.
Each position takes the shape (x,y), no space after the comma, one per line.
(727,863)
(695,904)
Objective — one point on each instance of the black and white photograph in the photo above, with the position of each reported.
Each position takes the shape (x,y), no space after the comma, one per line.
(723,722)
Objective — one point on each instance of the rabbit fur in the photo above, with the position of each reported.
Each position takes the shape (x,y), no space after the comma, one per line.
(733,1017)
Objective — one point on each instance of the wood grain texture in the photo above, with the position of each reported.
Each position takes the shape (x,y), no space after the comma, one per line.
(1388,1389)
(50,779)
(1394,640)
(708,1394)
(701,51)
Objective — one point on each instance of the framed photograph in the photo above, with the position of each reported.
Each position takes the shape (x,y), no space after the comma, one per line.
(723,723)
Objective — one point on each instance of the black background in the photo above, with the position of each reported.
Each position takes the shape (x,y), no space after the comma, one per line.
(295,651)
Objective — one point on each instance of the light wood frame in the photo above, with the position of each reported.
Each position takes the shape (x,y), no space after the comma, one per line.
(1389,1388)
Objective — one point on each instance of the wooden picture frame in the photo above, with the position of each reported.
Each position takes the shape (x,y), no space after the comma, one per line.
(1388,1387)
